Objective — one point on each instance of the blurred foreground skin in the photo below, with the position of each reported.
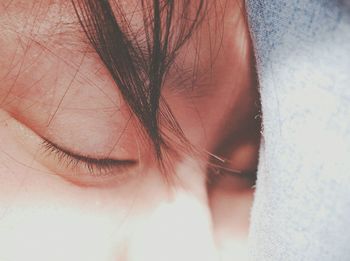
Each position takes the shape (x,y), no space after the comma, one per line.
(54,87)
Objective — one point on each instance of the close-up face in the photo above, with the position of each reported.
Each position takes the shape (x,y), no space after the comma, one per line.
(129,130)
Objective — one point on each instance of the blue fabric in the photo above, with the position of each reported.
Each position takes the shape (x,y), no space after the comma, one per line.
(302,201)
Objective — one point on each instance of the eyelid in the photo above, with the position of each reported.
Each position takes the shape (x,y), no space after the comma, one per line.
(96,166)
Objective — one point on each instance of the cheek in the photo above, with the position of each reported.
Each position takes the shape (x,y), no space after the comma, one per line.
(42,230)
(42,215)
(49,219)
(41,221)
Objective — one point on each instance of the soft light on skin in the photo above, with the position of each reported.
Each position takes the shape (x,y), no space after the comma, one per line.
(53,85)
(161,240)
(161,234)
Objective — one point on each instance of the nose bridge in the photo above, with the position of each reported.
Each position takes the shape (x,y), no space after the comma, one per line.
(179,228)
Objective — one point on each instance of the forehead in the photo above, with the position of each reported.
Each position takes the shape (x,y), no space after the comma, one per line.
(46,17)
(42,22)
(40,40)
(53,26)
(57,17)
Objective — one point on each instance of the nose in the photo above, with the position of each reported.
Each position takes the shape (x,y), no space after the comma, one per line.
(180,227)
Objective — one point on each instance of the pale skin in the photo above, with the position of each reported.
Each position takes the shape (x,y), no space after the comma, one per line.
(54,87)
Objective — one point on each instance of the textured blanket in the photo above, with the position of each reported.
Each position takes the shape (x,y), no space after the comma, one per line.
(302,203)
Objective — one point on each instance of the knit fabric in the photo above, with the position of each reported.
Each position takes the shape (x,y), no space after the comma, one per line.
(302,201)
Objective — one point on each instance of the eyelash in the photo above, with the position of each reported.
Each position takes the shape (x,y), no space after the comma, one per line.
(99,168)
(219,167)
(96,167)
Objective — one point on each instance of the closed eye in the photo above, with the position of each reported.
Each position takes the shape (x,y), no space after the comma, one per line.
(97,167)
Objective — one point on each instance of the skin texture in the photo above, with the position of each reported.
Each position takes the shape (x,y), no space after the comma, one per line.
(53,86)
